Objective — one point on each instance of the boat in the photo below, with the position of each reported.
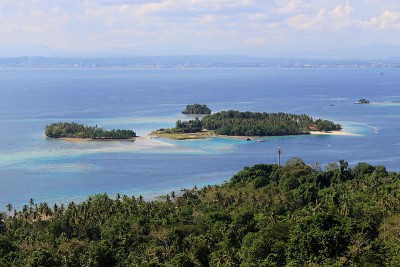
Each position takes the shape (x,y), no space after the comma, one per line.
(362,101)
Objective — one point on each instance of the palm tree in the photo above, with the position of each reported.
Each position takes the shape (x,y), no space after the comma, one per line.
(31,202)
(9,207)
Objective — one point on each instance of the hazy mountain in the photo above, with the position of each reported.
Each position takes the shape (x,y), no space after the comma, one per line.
(368,52)
(201,61)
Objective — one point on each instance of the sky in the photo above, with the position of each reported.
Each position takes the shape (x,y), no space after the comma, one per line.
(193,27)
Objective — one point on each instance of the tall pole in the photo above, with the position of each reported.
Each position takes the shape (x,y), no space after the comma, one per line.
(279,156)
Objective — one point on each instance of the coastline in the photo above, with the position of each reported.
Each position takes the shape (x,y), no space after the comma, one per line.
(206,134)
(80,140)
(182,136)
(339,133)
(194,136)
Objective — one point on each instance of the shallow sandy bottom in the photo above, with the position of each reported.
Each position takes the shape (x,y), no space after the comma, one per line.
(343,133)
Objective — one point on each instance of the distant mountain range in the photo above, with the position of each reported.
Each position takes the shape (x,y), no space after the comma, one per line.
(380,52)
(372,55)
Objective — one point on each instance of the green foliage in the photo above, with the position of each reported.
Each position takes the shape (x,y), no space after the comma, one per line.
(259,173)
(237,123)
(362,169)
(191,126)
(266,247)
(6,246)
(75,130)
(182,127)
(42,258)
(181,260)
(319,237)
(196,109)
(265,216)
(325,125)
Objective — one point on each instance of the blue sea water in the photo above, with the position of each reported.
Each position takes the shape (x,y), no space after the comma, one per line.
(32,166)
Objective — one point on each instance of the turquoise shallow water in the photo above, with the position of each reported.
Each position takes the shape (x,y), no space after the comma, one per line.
(32,166)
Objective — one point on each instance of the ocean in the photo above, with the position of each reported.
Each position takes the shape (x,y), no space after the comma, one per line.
(57,171)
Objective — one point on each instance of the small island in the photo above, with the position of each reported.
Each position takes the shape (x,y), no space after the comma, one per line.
(246,124)
(362,101)
(75,130)
(197,109)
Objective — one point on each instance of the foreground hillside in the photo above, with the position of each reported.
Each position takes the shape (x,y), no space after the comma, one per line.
(265,215)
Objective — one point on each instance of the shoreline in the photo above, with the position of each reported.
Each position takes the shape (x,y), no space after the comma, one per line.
(80,140)
(206,134)
(195,136)
(337,133)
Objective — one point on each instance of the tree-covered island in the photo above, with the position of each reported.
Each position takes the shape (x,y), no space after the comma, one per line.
(75,130)
(196,109)
(236,123)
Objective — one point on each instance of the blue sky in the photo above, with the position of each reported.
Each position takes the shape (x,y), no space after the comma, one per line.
(193,27)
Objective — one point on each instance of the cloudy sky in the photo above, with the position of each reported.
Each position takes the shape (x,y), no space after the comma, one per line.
(193,27)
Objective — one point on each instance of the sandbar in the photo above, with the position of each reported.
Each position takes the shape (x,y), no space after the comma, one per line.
(343,133)
(182,136)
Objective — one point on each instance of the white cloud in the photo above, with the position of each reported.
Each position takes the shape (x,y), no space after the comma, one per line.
(387,20)
(293,6)
(342,11)
(335,19)
(152,26)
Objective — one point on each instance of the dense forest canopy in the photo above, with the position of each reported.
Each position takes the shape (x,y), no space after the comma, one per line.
(75,130)
(196,109)
(236,123)
(266,215)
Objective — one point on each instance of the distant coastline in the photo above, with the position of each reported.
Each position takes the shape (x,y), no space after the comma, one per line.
(163,62)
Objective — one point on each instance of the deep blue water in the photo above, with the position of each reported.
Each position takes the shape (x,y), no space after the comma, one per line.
(32,166)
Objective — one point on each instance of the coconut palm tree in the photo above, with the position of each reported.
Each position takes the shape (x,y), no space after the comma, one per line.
(9,208)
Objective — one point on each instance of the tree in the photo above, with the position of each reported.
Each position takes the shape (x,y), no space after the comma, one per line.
(181,260)
(294,162)
(9,208)
(331,167)
(362,169)
(321,237)
(267,247)
(2,224)
(244,223)
(42,258)
(196,109)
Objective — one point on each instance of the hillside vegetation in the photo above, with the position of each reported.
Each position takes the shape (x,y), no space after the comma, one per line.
(295,215)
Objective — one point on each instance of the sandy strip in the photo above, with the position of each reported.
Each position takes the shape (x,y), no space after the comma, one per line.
(240,137)
(343,133)
(73,140)
(79,140)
